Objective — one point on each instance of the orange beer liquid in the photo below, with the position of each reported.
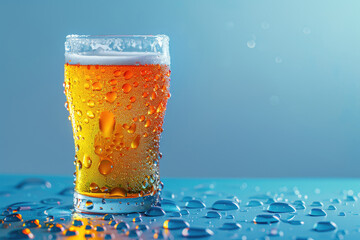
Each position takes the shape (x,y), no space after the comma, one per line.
(117,113)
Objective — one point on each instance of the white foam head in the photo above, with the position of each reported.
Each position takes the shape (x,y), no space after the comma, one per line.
(117,50)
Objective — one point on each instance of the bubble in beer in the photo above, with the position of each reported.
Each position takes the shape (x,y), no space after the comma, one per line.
(132,128)
(94,187)
(126,88)
(135,142)
(87,161)
(128,74)
(110,97)
(90,114)
(96,86)
(106,166)
(107,123)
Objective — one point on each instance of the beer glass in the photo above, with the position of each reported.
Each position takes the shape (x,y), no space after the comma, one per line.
(117,89)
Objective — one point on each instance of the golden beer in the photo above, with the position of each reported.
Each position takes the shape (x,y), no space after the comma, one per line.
(117,113)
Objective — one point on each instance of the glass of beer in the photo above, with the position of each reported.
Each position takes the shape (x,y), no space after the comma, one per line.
(117,89)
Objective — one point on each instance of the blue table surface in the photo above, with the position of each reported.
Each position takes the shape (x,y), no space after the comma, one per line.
(49,199)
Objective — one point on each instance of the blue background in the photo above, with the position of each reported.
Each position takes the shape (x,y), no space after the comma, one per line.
(288,106)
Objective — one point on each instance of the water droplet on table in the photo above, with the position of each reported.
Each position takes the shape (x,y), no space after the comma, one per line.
(296,222)
(142,227)
(56,228)
(187,198)
(225,205)
(316,204)
(196,232)
(265,219)
(122,226)
(99,228)
(174,214)
(254,203)
(155,212)
(137,219)
(16,217)
(195,204)
(169,206)
(279,207)
(350,198)
(331,207)
(33,183)
(175,223)
(133,233)
(108,217)
(230,226)
(213,214)
(20,234)
(324,226)
(335,200)
(71,232)
(34,223)
(317,212)
(77,223)
(184,212)
(52,201)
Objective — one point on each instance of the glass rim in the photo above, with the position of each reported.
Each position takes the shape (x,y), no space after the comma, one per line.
(117,49)
(115,36)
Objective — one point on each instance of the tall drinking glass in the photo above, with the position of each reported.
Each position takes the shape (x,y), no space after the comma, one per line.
(117,89)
